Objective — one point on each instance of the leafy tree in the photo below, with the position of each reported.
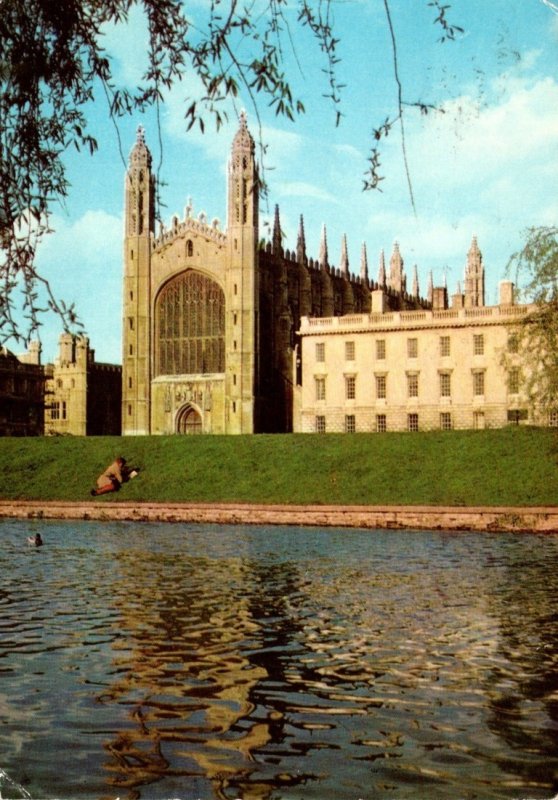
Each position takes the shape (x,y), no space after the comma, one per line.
(53,63)
(535,268)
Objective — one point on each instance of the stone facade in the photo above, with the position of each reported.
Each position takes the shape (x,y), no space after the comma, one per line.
(211,317)
(431,369)
(82,396)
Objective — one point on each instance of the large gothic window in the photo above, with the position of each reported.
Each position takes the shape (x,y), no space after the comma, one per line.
(190,326)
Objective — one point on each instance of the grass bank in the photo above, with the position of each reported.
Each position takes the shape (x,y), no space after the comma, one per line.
(513,466)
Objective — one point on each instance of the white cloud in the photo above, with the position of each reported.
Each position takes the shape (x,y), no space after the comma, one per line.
(301,189)
(127,44)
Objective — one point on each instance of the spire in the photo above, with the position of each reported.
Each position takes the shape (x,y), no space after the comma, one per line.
(323,257)
(364,264)
(396,277)
(140,154)
(382,271)
(301,243)
(276,232)
(430,288)
(243,139)
(243,201)
(415,290)
(474,276)
(344,257)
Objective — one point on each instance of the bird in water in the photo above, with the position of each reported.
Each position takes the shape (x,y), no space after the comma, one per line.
(35,540)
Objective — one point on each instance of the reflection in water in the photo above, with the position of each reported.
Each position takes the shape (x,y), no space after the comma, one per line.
(202,662)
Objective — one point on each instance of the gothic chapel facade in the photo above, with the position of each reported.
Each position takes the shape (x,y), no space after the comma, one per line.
(211,317)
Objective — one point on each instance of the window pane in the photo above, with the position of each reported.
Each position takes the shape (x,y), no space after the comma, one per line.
(320,351)
(381,387)
(445,421)
(445,384)
(412,348)
(380,348)
(190,326)
(349,351)
(350,387)
(444,345)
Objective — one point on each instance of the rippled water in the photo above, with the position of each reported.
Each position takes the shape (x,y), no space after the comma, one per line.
(178,661)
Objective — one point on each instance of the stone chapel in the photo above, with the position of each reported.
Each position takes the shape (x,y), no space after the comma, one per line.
(211,317)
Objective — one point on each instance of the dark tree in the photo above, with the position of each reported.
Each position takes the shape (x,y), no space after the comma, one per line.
(535,269)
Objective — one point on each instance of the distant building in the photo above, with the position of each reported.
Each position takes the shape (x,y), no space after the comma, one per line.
(82,397)
(429,369)
(21,392)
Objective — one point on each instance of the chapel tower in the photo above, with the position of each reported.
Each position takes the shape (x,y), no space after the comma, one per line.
(136,323)
(474,276)
(241,284)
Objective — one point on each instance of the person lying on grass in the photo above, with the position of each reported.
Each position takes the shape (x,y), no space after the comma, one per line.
(114,476)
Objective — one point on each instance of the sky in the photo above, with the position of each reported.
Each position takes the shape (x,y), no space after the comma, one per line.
(484,164)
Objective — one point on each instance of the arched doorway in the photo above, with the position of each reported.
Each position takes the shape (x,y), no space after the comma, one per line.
(189,421)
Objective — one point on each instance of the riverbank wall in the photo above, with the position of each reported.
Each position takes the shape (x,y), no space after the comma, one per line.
(451,518)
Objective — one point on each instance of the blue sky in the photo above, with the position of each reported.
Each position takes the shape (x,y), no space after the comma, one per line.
(486,166)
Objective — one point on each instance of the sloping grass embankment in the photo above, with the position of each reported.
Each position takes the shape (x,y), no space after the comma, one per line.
(513,466)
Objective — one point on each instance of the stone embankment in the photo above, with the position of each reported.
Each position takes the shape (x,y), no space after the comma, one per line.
(489,519)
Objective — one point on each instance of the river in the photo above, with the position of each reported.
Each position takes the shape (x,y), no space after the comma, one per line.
(162,661)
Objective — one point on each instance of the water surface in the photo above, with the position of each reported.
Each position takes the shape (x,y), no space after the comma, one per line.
(189,661)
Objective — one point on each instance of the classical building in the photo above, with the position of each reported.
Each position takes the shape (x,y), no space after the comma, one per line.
(433,368)
(21,392)
(211,317)
(82,396)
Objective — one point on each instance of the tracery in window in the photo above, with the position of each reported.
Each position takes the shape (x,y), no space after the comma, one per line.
(190,326)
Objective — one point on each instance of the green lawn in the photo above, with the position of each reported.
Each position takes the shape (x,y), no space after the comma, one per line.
(513,466)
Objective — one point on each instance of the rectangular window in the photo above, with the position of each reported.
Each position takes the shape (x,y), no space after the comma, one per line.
(412,348)
(350,425)
(349,351)
(553,419)
(350,387)
(412,384)
(380,349)
(513,343)
(513,381)
(478,344)
(444,346)
(445,384)
(63,409)
(320,351)
(320,388)
(320,425)
(55,411)
(445,421)
(478,383)
(381,423)
(412,422)
(478,420)
(381,391)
